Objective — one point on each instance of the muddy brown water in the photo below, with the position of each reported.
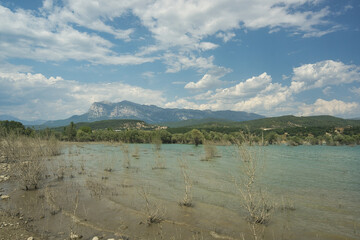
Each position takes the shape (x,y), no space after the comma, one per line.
(318,186)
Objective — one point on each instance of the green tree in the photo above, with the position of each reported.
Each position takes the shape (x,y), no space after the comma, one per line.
(178,138)
(83,136)
(12,126)
(272,138)
(165,136)
(196,137)
(29,132)
(70,132)
(86,129)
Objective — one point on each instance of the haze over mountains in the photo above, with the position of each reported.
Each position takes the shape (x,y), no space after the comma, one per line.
(149,113)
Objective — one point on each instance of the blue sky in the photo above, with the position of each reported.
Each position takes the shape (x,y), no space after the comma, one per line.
(270,57)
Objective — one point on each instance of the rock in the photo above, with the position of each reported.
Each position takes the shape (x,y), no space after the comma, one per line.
(4,178)
(74,236)
(30,238)
(95,238)
(4,197)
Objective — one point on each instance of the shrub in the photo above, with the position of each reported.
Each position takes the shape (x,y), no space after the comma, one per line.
(187,200)
(253,199)
(125,151)
(154,213)
(29,155)
(210,151)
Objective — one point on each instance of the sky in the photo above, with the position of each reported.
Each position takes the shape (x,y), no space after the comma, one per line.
(270,57)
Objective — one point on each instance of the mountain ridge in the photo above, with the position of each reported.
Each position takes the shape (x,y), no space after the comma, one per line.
(149,113)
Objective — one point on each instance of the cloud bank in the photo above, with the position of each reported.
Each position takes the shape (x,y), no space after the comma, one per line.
(260,94)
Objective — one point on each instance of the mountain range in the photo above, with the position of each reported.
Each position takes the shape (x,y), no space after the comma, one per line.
(148,113)
(25,122)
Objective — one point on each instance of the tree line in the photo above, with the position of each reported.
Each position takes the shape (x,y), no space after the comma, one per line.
(291,136)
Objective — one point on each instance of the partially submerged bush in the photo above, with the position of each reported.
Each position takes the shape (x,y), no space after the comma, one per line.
(154,213)
(156,140)
(30,167)
(30,172)
(287,205)
(159,160)
(136,153)
(210,151)
(125,151)
(253,199)
(187,200)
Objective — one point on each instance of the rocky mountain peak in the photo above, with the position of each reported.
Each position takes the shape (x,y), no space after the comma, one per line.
(150,114)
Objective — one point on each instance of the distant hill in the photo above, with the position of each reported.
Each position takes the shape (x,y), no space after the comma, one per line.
(148,113)
(24,122)
(292,121)
(272,123)
(194,122)
(115,124)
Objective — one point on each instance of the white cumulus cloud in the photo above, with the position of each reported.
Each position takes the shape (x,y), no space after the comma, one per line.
(261,95)
(74,29)
(30,36)
(250,87)
(324,73)
(211,79)
(207,81)
(332,107)
(257,94)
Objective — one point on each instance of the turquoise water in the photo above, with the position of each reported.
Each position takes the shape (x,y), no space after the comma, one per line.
(319,185)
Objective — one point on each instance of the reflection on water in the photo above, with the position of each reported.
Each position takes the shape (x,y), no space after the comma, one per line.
(316,191)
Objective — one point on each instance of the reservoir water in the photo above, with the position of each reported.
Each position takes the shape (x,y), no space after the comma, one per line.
(109,190)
